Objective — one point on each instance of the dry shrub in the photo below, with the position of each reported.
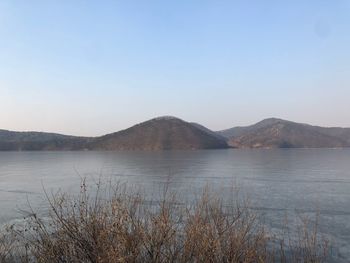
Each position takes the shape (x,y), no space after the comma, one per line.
(7,245)
(116,225)
(305,244)
(5,248)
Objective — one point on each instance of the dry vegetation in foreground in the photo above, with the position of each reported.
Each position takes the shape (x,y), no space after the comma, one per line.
(113,225)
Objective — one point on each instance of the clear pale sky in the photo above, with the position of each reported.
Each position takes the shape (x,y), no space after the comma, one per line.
(93,67)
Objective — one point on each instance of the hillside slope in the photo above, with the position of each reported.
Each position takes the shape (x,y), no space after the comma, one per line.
(277,133)
(164,133)
(36,141)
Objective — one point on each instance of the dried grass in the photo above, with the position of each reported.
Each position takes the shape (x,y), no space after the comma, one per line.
(116,225)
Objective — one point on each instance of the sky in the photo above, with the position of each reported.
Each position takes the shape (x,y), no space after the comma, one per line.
(94,67)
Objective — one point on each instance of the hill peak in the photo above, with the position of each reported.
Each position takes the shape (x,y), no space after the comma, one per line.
(272,120)
(165,117)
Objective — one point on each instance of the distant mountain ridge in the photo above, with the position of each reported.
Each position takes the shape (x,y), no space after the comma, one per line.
(34,141)
(161,133)
(171,133)
(278,133)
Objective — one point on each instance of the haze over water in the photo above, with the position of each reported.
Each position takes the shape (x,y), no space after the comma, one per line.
(280,183)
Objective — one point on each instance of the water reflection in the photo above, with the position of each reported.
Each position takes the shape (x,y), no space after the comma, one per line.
(278,181)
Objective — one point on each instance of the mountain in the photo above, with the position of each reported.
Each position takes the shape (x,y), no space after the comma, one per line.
(163,133)
(240,130)
(35,141)
(170,133)
(278,133)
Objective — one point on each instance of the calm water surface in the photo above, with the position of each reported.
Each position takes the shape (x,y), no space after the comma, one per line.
(280,183)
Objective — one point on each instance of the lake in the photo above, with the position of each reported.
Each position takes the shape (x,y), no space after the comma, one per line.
(280,183)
